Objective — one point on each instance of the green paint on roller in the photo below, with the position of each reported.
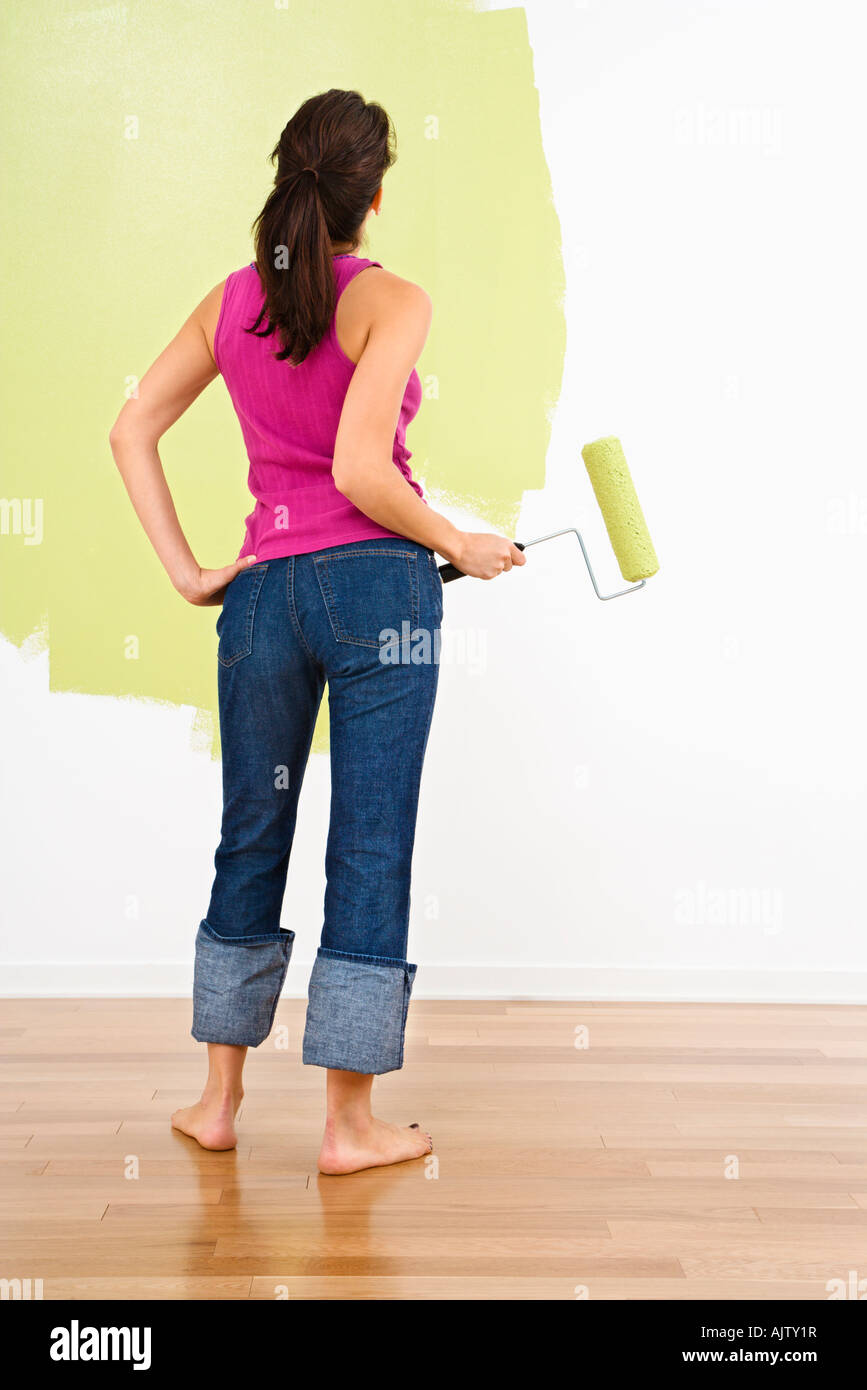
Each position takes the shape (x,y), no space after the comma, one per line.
(620,508)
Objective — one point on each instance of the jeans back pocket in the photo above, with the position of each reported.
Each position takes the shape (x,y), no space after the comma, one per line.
(370,595)
(235,623)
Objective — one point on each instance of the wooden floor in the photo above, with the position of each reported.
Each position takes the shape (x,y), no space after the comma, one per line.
(688,1151)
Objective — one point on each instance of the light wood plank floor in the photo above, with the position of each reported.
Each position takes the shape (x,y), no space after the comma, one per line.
(685,1152)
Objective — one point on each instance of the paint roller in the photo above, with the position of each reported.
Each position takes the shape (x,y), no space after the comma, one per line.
(621,511)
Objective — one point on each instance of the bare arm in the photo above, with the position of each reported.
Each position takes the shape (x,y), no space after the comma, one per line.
(168,388)
(364,470)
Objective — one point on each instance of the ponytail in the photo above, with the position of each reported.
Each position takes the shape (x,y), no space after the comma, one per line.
(331,159)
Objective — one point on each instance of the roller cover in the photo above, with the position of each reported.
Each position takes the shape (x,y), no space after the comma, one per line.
(620,508)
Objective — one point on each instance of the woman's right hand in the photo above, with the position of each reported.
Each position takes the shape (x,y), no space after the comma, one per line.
(206,588)
(484,556)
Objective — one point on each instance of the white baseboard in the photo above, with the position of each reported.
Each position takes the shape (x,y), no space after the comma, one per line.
(173,979)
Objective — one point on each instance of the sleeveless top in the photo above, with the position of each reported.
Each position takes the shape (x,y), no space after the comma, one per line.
(289,418)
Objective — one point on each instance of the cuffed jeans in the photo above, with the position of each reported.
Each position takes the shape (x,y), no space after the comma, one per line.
(365,618)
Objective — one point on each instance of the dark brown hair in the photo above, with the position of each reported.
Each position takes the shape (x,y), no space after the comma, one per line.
(331,158)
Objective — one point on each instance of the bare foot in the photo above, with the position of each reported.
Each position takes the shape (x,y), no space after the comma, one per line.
(211,1121)
(350,1146)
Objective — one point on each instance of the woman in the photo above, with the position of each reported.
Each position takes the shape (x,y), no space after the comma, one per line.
(319,361)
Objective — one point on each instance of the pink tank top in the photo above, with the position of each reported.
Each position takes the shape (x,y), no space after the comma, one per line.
(289,418)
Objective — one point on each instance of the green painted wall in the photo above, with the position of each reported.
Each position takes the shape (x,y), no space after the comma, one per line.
(109,242)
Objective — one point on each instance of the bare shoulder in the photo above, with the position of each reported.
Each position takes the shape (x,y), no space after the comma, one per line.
(383,309)
(207,313)
(392,293)
(212,300)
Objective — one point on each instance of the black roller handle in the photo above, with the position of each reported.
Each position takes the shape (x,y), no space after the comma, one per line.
(450,572)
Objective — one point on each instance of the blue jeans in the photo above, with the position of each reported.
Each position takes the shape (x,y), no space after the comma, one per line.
(365,618)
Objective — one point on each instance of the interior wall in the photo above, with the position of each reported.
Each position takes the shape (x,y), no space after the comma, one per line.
(661,796)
